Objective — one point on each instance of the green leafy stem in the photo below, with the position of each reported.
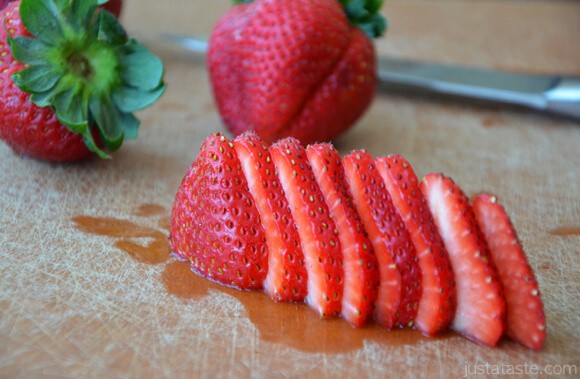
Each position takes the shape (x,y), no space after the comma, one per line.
(365,14)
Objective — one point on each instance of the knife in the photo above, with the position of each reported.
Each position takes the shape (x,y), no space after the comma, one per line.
(551,93)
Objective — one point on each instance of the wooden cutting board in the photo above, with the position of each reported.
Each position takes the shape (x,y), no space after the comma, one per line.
(87,288)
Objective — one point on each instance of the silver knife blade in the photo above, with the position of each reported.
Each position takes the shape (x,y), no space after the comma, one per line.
(552,93)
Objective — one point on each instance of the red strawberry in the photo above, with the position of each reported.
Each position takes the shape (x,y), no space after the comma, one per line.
(61,92)
(480,302)
(214,222)
(438,301)
(286,279)
(243,208)
(526,321)
(360,265)
(294,67)
(4,3)
(400,276)
(114,6)
(316,228)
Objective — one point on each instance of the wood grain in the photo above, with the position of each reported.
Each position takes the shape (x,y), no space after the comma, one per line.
(74,303)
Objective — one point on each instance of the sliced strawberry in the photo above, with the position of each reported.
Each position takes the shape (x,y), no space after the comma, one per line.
(214,221)
(480,302)
(400,276)
(360,265)
(526,321)
(286,279)
(316,228)
(438,300)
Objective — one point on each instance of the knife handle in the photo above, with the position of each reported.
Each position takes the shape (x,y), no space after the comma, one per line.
(564,98)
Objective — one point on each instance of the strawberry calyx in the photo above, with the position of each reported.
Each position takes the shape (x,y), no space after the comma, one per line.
(365,14)
(80,62)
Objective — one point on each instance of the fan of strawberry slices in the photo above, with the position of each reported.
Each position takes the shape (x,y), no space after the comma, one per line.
(355,237)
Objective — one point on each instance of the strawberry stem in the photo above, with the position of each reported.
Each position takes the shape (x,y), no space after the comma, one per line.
(365,14)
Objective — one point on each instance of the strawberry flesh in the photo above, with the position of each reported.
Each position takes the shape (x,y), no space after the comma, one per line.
(343,236)
(286,278)
(438,300)
(316,228)
(480,302)
(526,321)
(214,221)
(400,276)
(360,265)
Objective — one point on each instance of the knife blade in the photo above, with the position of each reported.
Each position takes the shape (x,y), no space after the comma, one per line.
(551,93)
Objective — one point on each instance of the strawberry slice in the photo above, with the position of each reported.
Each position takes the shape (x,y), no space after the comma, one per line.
(480,302)
(214,221)
(526,321)
(286,278)
(360,265)
(438,301)
(400,277)
(316,228)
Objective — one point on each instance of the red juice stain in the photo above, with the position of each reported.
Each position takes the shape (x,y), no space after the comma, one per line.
(149,210)
(291,324)
(181,282)
(566,231)
(546,266)
(154,252)
(491,121)
(165,223)
(146,210)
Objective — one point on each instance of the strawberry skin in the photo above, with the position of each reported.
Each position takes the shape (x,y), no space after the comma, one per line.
(360,265)
(214,221)
(480,314)
(316,228)
(290,68)
(526,321)
(28,129)
(343,236)
(438,300)
(286,279)
(400,276)
(114,6)
(342,97)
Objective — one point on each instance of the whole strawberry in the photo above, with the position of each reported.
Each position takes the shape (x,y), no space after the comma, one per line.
(70,79)
(300,68)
